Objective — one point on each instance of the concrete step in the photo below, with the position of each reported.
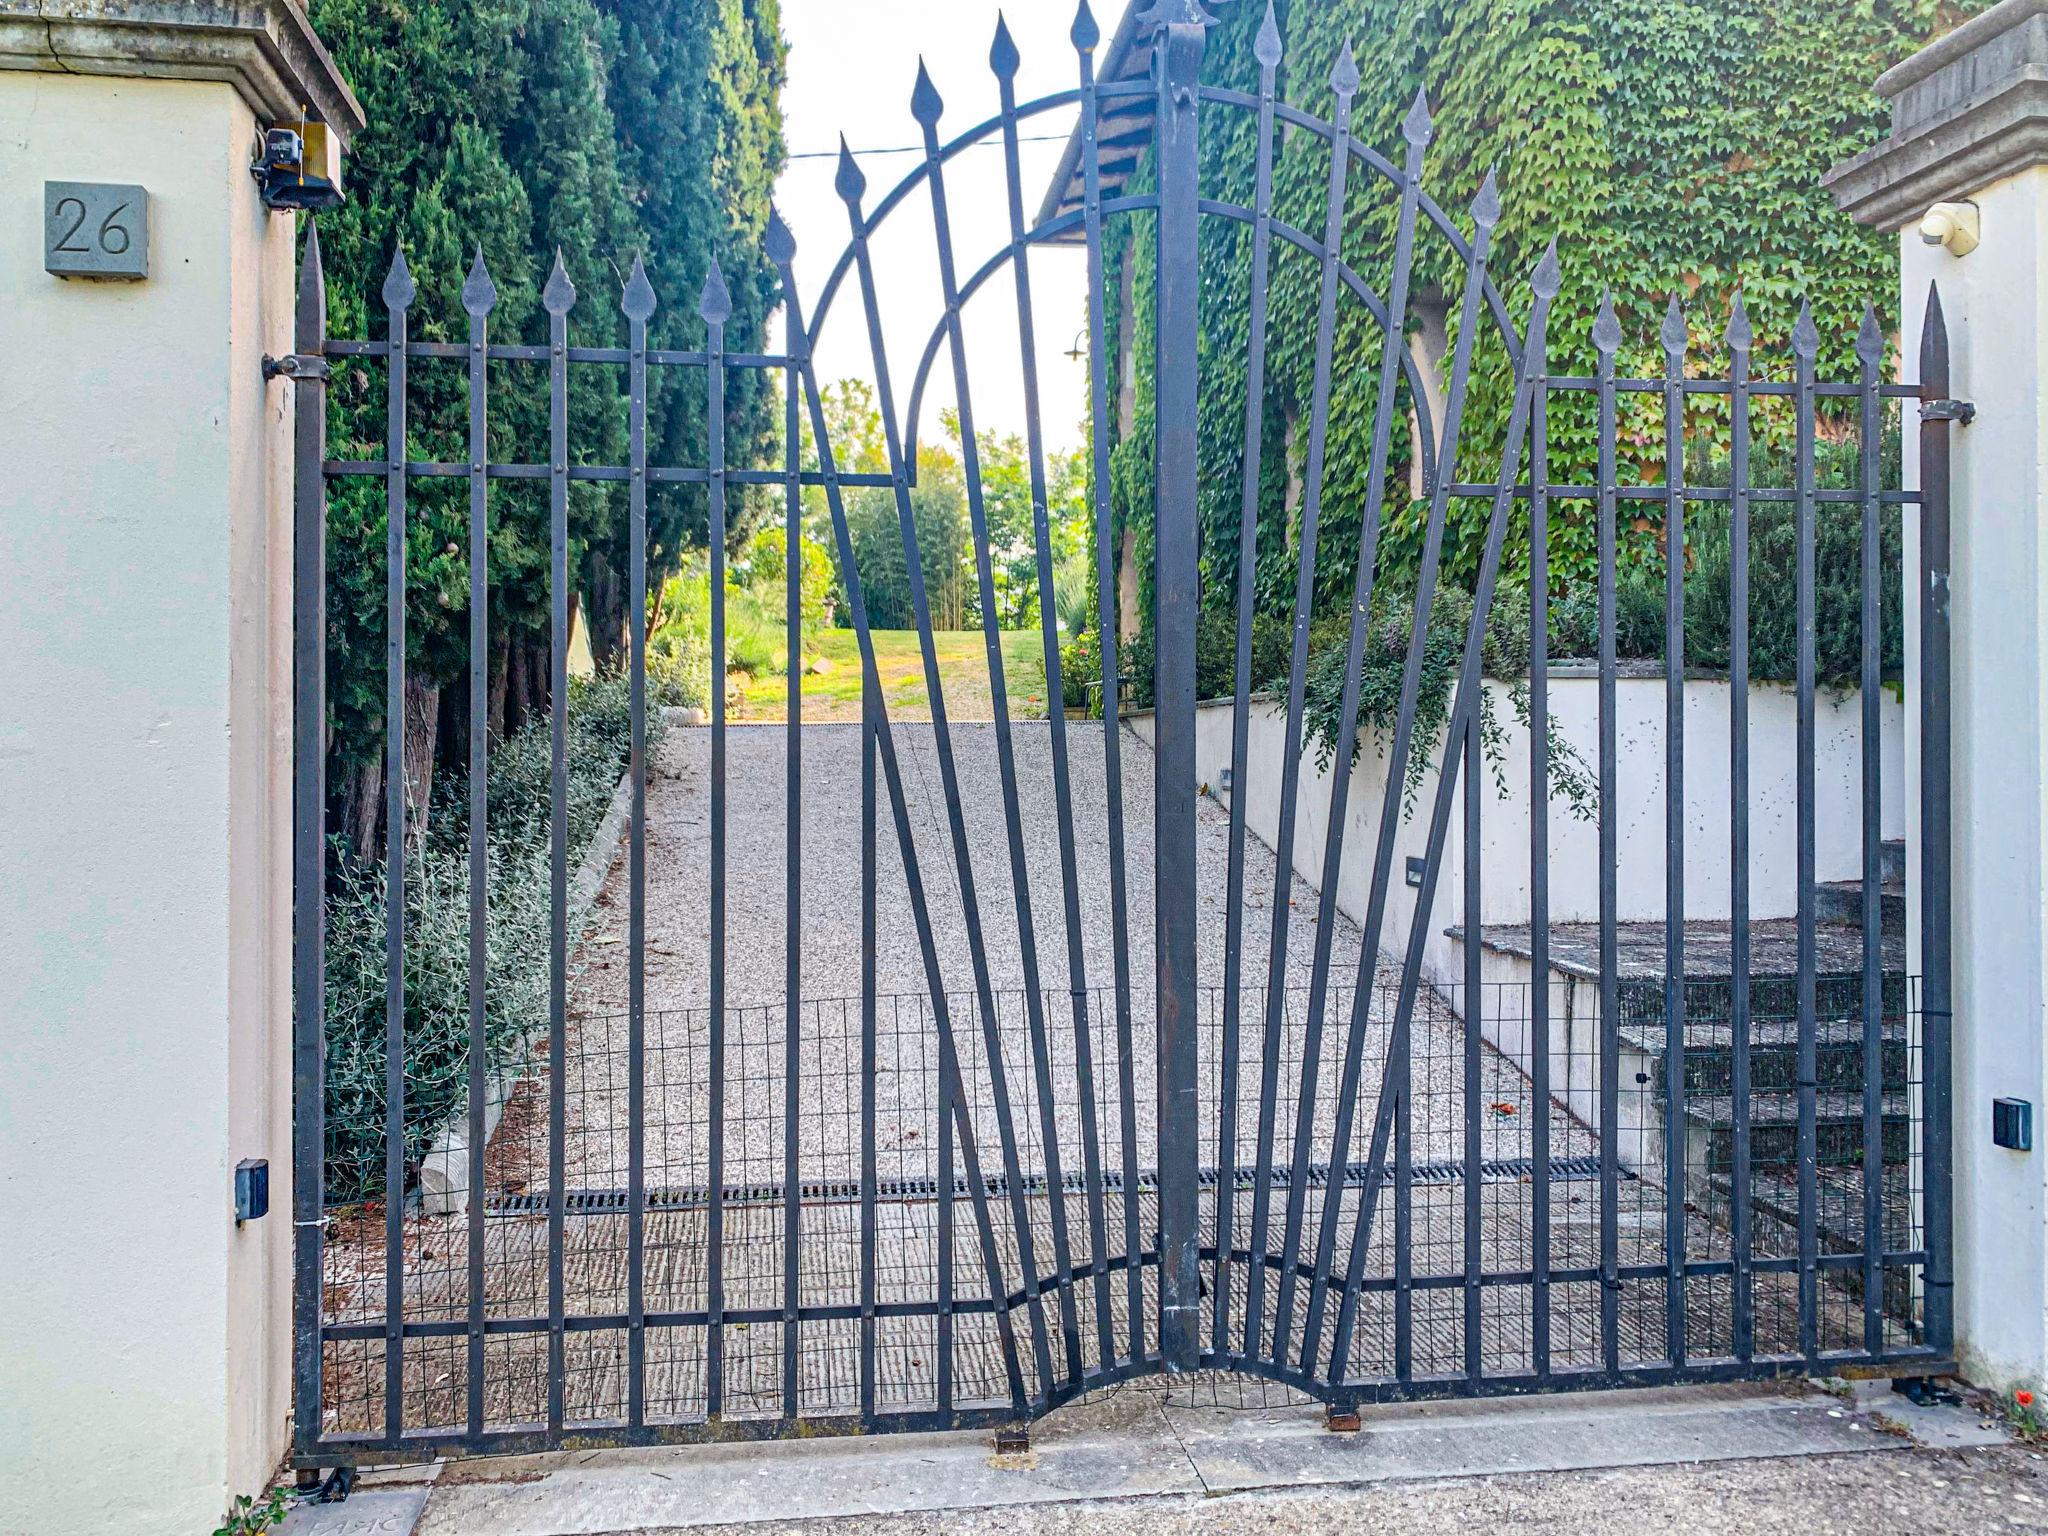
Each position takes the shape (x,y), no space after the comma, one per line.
(1838,1218)
(1774,1128)
(1774,1054)
(1841,901)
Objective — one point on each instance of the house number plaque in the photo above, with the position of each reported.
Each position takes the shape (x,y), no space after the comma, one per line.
(95,229)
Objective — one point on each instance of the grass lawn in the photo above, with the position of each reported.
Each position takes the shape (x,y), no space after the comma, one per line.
(832,692)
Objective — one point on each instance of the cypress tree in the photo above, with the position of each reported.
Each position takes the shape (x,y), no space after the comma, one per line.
(519,128)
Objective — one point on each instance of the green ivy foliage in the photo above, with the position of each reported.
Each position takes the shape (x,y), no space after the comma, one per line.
(1670,146)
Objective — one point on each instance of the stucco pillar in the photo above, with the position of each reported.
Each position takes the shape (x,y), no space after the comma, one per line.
(145,728)
(1970,125)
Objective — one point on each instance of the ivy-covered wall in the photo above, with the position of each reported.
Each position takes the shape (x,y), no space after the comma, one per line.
(1672,146)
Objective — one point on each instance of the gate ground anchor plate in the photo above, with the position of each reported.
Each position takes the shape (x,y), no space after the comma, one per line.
(372,1512)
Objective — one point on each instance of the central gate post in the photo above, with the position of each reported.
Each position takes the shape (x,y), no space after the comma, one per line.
(1179,45)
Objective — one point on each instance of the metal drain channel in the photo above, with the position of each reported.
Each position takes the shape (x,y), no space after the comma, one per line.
(902,1191)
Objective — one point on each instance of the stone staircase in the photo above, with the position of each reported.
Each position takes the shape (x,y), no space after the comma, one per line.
(1708,1100)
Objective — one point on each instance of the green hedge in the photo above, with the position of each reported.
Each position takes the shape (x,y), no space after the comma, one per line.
(437,937)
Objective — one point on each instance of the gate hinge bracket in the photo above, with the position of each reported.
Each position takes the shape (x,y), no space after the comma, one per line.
(1948,410)
(297,366)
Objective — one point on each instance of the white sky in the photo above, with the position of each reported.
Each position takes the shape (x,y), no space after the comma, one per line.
(852,64)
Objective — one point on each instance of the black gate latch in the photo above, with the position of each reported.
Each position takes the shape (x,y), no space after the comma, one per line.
(296,366)
(1948,410)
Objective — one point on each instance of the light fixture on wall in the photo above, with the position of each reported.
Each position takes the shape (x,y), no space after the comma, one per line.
(1953,226)
(1077,351)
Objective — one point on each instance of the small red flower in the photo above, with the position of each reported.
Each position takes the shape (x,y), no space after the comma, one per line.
(2024,1398)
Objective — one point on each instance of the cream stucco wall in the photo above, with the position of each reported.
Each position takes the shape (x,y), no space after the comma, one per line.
(144,821)
(1996,304)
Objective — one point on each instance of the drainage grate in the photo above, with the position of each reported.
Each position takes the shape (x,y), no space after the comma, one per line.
(911,1191)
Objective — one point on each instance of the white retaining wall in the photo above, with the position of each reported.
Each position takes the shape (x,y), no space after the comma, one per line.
(1574,841)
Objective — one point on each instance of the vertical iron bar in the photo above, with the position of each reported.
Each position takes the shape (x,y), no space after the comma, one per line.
(1870,350)
(478,297)
(1177,585)
(1087,36)
(1539,870)
(398,295)
(1063,794)
(1545,283)
(781,248)
(309,846)
(1485,215)
(926,108)
(1472,1175)
(1416,129)
(1936,931)
(793,899)
(1269,54)
(1344,82)
(638,304)
(1805,348)
(868,1026)
(714,316)
(1606,340)
(948,1200)
(1740,338)
(1674,339)
(557,298)
(851,186)
(793,933)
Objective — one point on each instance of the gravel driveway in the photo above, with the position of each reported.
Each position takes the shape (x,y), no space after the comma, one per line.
(798,1107)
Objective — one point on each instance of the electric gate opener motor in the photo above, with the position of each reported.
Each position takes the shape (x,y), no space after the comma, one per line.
(299,167)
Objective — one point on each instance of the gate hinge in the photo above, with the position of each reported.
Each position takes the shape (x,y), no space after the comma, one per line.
(298,366)
(1948,410)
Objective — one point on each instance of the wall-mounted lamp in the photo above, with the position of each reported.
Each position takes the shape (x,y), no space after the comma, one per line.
(1077,351)
(1953,226)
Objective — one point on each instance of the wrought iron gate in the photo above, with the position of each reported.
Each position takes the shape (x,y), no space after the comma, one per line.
(1392,1181)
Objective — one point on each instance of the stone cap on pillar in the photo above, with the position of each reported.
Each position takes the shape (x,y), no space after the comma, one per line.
(266,49)
(1969,109)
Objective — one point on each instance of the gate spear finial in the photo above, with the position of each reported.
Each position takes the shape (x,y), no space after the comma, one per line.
(638,300)
(1607,327)
(398,283)
(1673,333)
(1003,57)
(781,243)
(479,293)
(926,104)
(1870,343)
(559,296)
(1267,48)
(1805,334)
(849,183)
(715,306)
(1418,127)
(1086,34)
(1741,334)
(1344,73)
(1486,206)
